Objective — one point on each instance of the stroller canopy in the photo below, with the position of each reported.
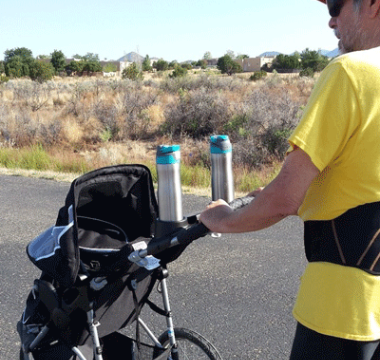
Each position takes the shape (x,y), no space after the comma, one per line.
(104,209)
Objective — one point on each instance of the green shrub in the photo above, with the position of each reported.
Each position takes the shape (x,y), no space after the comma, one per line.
(179,71)
(258,75)
(3,79)
(228,66)
(308,72)
(161,65)
(110,67)
(132,72)
(41,71)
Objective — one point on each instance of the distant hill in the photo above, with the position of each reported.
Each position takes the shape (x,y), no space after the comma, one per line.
(269,54)
(328,53)
(132,57)
(333,53)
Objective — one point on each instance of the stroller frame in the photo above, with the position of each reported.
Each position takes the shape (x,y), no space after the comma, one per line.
(92,325)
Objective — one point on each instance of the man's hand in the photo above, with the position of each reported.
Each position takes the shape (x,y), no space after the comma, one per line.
(214,214)
(281,198)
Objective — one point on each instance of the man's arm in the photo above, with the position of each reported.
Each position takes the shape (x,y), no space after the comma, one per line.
(281,198)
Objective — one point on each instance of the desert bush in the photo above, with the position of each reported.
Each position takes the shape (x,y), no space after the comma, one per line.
(22,129)
(197,113)
(75,105)
(107,115)
(85,113)
(136,120)
(203,81)
(261,127)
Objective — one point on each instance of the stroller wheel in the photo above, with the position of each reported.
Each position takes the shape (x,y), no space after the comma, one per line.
(191,345)
(25,356)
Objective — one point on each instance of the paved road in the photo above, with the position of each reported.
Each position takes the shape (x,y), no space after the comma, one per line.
(238,291)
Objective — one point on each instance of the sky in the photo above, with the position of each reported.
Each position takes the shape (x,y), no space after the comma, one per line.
(172,30)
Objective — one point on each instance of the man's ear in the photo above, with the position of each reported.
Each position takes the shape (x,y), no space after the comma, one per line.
(374,8)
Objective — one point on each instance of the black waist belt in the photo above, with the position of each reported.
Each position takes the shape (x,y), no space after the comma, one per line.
(352,239)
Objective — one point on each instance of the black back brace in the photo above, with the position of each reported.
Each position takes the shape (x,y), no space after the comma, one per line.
(352,239)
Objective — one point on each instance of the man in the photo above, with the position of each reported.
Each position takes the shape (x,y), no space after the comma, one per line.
(331,179)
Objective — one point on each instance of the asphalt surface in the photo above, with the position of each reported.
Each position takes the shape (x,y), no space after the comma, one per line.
(238,290)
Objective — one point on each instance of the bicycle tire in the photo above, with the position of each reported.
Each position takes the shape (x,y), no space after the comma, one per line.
(191,345)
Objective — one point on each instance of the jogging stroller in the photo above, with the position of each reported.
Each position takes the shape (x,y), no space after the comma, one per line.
(87,279)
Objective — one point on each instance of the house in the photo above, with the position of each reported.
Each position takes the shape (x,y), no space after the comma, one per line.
(120,65)
(212,62)
(255,64)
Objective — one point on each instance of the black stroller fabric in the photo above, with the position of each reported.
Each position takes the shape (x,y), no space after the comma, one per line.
(106,211)
(121,196)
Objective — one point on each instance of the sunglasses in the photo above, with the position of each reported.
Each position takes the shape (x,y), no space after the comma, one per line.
(335,6)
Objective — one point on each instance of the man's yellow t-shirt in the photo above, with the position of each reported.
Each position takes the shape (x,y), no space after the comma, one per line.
(340,131)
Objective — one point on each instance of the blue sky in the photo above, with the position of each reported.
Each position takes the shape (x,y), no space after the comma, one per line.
(172,30)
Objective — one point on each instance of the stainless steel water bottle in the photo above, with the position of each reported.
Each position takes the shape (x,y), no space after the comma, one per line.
(222,182)
(169,183)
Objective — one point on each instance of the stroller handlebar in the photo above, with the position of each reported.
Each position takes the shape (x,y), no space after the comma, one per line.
(183,236)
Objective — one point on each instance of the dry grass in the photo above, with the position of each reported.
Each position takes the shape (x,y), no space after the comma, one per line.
(110,121)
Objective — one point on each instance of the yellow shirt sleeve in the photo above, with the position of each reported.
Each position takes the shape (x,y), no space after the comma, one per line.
(330,118)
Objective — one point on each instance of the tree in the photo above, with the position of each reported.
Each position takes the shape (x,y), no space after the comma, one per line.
(186,66)
(92,66)
(91,57)
(15,68)
(40,57)
(89,62)
(58,60)
(110,67)
(132,72)
(41,71)
(242,56)
(231,54)
(287,62)
(75,66)
(179,71)
(18,61)
(313,60)
(161,65)
(228,66)
(172,64)
(146,66)
(202,63)
(24,53)
(2,69)
(207,56)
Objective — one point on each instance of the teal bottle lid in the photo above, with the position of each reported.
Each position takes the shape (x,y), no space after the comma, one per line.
(168,154)
(220,144)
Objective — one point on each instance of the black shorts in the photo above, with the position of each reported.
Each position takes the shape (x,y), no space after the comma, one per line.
(310,345)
